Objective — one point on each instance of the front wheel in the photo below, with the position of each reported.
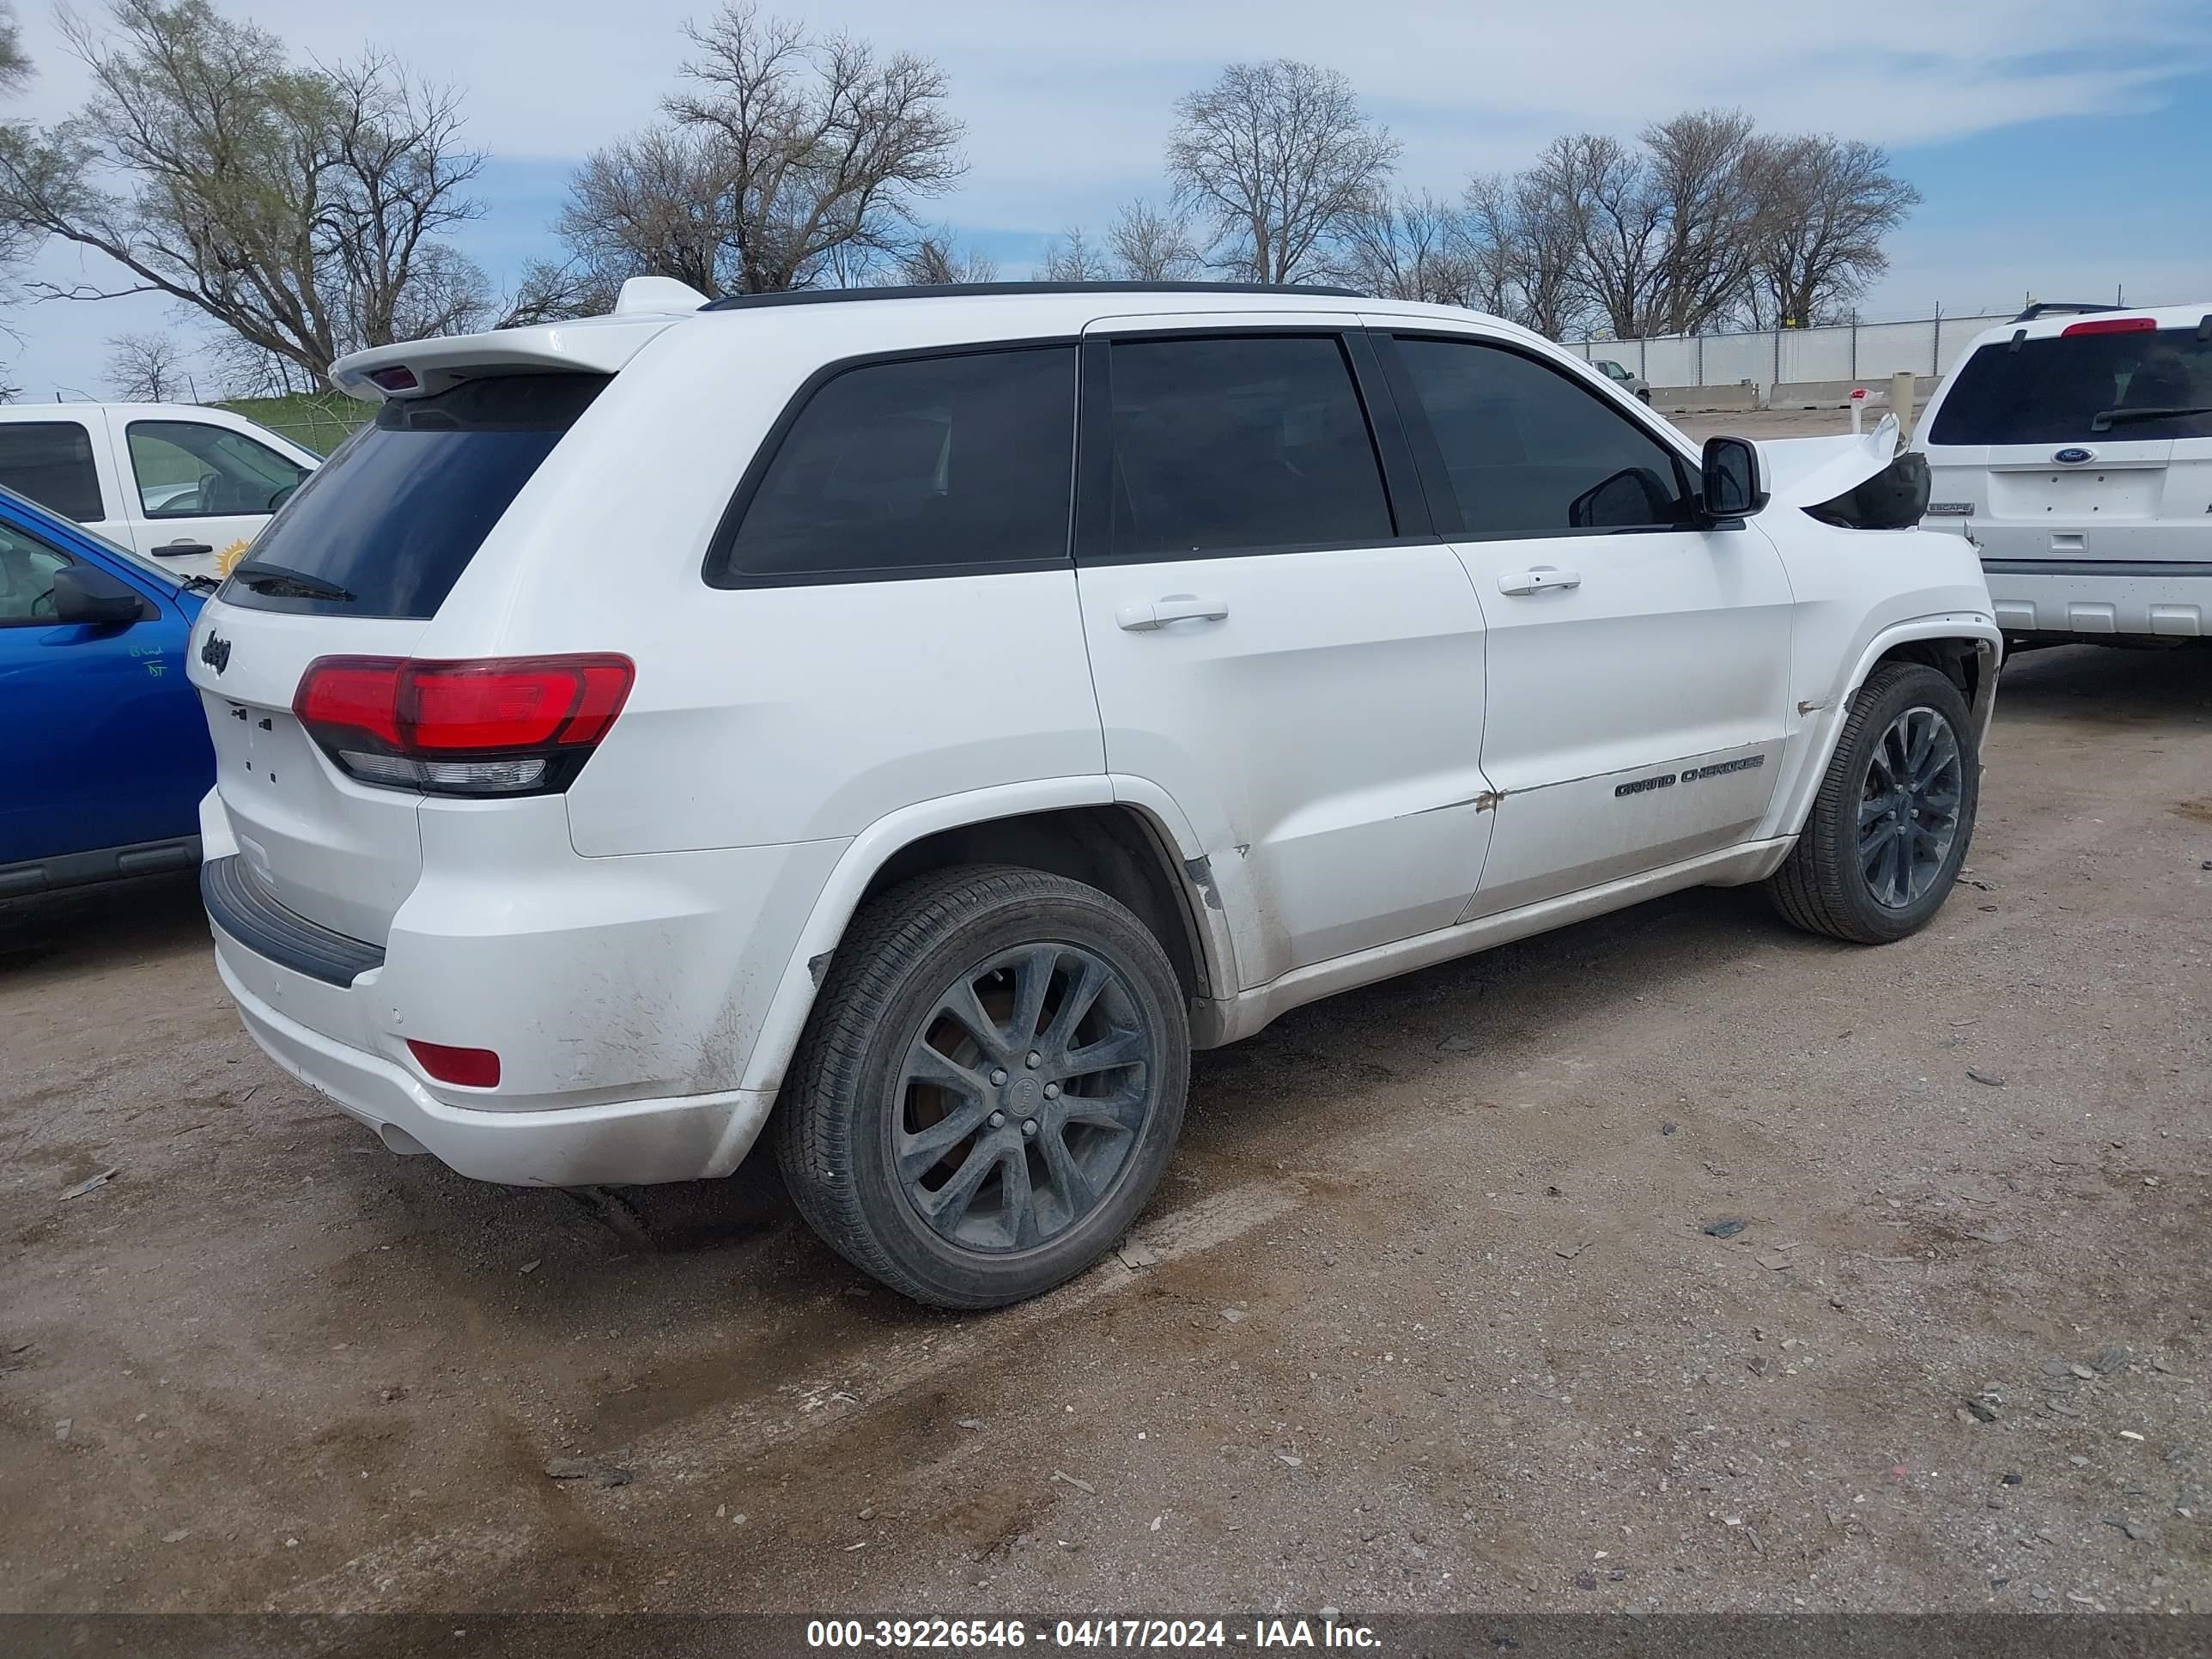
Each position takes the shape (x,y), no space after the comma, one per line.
(990,1086)
(1881,847)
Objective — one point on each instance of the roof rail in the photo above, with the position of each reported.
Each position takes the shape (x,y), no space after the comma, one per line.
(2059,307)
(811,296)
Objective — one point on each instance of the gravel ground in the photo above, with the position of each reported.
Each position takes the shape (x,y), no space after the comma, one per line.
(1428,1315)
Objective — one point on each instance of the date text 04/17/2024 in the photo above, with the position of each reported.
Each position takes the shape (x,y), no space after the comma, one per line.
(902,1635)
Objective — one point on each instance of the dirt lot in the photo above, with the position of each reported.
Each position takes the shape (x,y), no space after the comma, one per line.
(1432,1319)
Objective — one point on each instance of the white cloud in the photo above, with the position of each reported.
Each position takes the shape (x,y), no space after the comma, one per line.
(1068,105)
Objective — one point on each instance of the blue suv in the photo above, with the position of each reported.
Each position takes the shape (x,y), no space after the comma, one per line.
(110,752)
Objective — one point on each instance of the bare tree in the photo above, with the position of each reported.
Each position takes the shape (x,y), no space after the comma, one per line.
(145,368)
(1070,258)
(1408,247)
(1143,245)
(655,204)
(1521,240)
(300,208)
(1148,245)
(1825,205)
(935,261)
(15,62)
(1701,173)
(1279,161)
(818,151)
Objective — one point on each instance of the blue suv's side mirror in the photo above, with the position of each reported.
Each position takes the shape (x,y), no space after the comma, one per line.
(84,594)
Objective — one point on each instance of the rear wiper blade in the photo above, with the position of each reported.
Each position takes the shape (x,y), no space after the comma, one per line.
(271,578)
(2106,420)
(202,584)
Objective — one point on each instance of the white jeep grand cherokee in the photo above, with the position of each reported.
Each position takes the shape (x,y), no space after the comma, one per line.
(910,723)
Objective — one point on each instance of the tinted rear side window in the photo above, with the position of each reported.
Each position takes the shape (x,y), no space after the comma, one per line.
(918,466)
(2080,389)
(1243,441)
(50,461)
(395,515)
(1529,451)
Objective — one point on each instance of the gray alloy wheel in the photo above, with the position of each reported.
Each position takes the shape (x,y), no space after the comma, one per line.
(1023,1094)
(1880,848)
(990,1086)
(1909,813)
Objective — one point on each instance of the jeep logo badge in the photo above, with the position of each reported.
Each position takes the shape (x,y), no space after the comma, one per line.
(2073,455)
(216,652)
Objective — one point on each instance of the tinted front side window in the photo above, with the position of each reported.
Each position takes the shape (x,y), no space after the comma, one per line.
(394,516)
(1244,442)
(1529,453)
(2082,389)
(924,463)
(50,461)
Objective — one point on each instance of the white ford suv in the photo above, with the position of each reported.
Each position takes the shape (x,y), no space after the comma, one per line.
(2075,451)
(909,723)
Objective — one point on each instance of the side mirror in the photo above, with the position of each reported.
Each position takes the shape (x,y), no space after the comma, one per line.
(84,593)
(1735,479)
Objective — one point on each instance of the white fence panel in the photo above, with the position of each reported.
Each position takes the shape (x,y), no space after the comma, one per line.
(1887,348)
(1732,359)
(1816,354)
(1865,354)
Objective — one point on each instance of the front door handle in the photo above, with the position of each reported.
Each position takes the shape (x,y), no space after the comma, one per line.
(1174,608)
(182,549)
(1541,579)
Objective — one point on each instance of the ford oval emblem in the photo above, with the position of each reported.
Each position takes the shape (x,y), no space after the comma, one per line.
(2074,455)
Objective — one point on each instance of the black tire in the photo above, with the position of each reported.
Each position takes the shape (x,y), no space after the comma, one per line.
(1644,396)
(1824,886)
(850,1102)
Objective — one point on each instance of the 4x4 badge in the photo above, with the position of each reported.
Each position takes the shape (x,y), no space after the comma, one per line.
(216,652)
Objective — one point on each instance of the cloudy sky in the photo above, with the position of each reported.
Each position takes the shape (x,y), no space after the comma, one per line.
(2060,147)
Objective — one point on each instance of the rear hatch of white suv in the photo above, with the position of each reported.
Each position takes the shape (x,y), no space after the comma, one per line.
(2080,445)
(322,622)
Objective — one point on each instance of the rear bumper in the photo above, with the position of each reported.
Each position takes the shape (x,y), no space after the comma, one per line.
(2080,598)
(680,1137)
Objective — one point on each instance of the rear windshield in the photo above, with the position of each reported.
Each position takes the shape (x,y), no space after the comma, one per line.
(2082,389)
(386,526)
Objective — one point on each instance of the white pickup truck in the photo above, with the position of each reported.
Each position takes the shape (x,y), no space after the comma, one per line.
(184,483)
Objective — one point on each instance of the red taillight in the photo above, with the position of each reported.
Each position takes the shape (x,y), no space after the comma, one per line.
(503,725)
(2109,325)
(472,1069)
(398,378)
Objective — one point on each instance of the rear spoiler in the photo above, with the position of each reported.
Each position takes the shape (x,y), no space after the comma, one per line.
(590,345)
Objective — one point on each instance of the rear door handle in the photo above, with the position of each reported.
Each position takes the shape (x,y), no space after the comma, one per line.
(182,549)
(1174,608)
(1541,580)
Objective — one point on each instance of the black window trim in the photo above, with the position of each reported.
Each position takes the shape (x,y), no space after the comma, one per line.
(92,457)
(715,569)
(1429,455)
(138,489)
(1402,488)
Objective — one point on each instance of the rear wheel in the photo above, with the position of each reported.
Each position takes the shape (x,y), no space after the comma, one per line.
(1881,847)
(989,1088)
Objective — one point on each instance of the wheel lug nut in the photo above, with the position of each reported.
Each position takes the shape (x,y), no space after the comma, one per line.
(1036,1060)
(1052,1092)
(997,1079)
(998,1120)
(1029,1127)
